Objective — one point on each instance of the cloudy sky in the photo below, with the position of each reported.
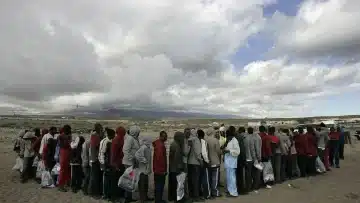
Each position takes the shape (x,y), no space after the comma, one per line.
(255,58)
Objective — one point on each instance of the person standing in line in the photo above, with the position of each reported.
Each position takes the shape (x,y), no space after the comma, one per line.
(131,146)
(116,156)
(240,170)
(312,151)
(334,148)
(176,165)
(160,166)
(95,185)
(214,152)
(65,150)
(285,144)
(256,172)
(28,154)
(341,130)
(204,171)
(86,167)
(301,145)
(276,151)
(75,162)
(322,137)
(250,157)
(143,158)
(266,150)
(231,153)
(194,166)
(104,160)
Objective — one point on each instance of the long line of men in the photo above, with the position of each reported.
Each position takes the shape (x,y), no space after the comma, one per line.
(95,165)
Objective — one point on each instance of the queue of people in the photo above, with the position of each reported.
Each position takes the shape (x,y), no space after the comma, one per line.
(251,159)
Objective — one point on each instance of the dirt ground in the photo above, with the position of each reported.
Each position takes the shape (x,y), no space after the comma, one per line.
(339,185)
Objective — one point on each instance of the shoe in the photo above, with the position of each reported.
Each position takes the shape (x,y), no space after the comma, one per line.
(268,187)
(150,199)
(198,200)
(337,166)
(256,191)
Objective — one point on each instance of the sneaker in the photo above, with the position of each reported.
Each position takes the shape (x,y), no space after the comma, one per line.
(256,191)
(337,166)
(62,189)
(268,187)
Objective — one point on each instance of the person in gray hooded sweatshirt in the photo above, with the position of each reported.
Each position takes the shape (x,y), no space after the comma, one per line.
(194,166)
(285,145)
(143,157)
(131,146)
(322,136)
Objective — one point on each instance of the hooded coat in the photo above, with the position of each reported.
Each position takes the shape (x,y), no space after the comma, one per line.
(143,155)
(194,157)
(176,164)
(214,151)
(131,145)
(117,148)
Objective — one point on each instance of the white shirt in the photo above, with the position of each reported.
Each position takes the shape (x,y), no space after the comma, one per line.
(44,141)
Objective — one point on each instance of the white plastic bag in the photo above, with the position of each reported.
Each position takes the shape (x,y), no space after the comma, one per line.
(268,173)
(180,190)
(129,180)
(320,167)
(35,162)
(56,169)
(46,180)
(19,164)
(40,168)
(258,165)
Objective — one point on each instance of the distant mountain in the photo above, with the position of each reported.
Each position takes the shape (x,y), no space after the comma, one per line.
(135,113)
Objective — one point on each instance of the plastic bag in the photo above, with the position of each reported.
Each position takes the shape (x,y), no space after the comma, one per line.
(40,168)
(320,167)
(129,180)
(258,165)
(56,169)
(19,164)
(46,180)
(35,162)
(268,173)
(180,190)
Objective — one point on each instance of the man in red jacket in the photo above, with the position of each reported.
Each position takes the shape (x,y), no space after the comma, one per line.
(116,161)
(312,151)
(160,166)
(334,148)
(301,145)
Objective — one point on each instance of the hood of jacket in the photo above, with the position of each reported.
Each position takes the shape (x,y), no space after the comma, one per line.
(146,140)
(134,131)
(120,131)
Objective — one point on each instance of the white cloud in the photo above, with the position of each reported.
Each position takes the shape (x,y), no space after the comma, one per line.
(325,29)
(160,54)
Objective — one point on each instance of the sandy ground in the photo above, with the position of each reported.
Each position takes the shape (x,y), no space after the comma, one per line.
(339,185)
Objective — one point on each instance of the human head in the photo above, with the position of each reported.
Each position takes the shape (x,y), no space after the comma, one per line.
(322,125)
(44,131)
(241,129)
(200,134)
(332,129)
(67,129)
(120,131)
(146,140)
(272,130)
(338,129)
(301,130)
(232,130)
(262,129)
(187,132)
(98,128)
(163,136)
(309,129)
(250,130)
(110,133)
(134,131)
(179,138)
(215,125)
(37,132)
(52,130)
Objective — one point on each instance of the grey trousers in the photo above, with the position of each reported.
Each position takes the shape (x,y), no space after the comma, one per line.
(214,180)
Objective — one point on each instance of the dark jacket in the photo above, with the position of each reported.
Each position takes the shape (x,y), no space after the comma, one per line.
(312,144)
(176,164)
(242,157)
(159,157)
(76,150)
